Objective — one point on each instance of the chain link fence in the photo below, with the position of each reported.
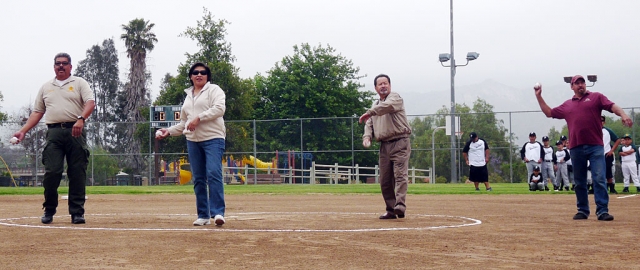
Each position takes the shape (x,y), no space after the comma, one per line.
(294,148)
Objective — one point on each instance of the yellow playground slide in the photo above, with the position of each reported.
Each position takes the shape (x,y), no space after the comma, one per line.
(258,163)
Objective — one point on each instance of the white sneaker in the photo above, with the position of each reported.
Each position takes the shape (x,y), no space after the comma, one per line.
(202,222)
(218,220)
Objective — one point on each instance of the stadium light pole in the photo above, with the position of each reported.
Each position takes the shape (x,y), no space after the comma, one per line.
(592,78)
(432,173)
(444,57)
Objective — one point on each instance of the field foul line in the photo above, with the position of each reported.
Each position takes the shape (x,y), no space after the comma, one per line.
(218,229)
(628,196)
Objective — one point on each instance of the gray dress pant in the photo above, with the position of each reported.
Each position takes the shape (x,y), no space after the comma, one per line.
(394,173)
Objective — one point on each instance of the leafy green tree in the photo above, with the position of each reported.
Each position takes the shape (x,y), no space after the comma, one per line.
(214,51)
(100,69)
(480,119)
(102,166)
(313,82)
(3,116)
(139,40)
(421,143)
(554,135)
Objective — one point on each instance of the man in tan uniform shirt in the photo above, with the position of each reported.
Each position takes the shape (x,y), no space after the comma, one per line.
(67,101)
(387,121)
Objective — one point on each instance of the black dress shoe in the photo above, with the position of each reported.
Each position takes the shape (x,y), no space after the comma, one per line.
(46,219)
(388,216)
(605,217)
(77,219)
(398,213)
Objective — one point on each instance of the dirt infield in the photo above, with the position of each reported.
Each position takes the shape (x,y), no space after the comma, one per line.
(322,232)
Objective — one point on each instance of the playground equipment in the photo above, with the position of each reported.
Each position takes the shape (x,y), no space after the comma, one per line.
(180,169)
(184,173)
(233,165)
(254,162)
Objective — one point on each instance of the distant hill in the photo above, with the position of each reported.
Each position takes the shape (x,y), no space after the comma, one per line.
(506,99)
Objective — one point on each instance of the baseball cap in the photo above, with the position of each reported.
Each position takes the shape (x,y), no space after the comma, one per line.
(563,138)
(536,168)
(545,138)
(532,134)
(576,78)
(627,136)
(473,135)
(559,143)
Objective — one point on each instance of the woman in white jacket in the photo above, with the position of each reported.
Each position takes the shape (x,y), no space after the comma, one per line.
(202,122)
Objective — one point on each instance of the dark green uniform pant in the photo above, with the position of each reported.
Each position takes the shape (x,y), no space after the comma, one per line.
(61,145)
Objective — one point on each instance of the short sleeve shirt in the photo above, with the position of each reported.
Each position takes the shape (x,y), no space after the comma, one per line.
(475,151)
(63,103)
(583,118)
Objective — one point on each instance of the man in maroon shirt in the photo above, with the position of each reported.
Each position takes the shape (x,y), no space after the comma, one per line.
(582,113)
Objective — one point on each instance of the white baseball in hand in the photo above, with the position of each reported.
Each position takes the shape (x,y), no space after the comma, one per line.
(537,86)
(158,133)
(366,143)
(14,140)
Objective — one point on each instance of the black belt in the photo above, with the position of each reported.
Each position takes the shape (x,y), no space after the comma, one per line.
(548,160)
(394,140)
(61,125)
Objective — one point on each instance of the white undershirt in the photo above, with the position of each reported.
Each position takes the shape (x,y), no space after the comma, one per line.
(61,83)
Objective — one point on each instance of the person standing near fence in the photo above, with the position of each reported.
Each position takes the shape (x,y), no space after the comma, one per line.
(565,145)
(532,153)
(202,122)
(66,102)
(609,136)
(548,173)
(559,160)
(476,154)
(582,113)
(628,162)
(386,120)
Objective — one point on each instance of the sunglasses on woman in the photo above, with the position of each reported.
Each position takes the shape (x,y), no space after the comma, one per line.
(198,72)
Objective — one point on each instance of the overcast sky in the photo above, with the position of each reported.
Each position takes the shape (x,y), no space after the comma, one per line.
(520,42)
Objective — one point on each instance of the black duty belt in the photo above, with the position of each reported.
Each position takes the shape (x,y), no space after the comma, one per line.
(61,125)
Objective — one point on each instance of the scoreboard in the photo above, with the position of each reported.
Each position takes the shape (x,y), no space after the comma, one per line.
(164,116)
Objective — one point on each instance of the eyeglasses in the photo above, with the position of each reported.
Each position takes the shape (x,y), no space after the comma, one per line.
(198,72)
(61,63)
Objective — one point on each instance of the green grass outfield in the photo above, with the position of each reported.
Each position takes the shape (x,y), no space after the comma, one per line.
(498,188)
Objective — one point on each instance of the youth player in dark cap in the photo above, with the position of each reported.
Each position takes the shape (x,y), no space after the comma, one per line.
(548,173)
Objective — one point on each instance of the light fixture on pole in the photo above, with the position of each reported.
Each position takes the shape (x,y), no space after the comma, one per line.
(591,78)
(445,57)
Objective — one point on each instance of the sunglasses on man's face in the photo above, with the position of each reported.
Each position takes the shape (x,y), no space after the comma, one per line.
(199,72)
(61,63)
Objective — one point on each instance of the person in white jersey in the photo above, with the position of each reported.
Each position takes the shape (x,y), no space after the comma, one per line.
(532,154)
(548,173)
(628,153)
(609,136)
(476,154)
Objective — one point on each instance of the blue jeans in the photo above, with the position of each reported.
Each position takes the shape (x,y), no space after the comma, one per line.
(595,155)
(205,159)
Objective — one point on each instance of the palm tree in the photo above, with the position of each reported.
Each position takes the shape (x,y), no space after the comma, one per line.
(139,40)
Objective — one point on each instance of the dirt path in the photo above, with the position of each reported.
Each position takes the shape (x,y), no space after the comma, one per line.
(322,232)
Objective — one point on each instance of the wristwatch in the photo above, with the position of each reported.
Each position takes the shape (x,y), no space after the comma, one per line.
(81,117)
